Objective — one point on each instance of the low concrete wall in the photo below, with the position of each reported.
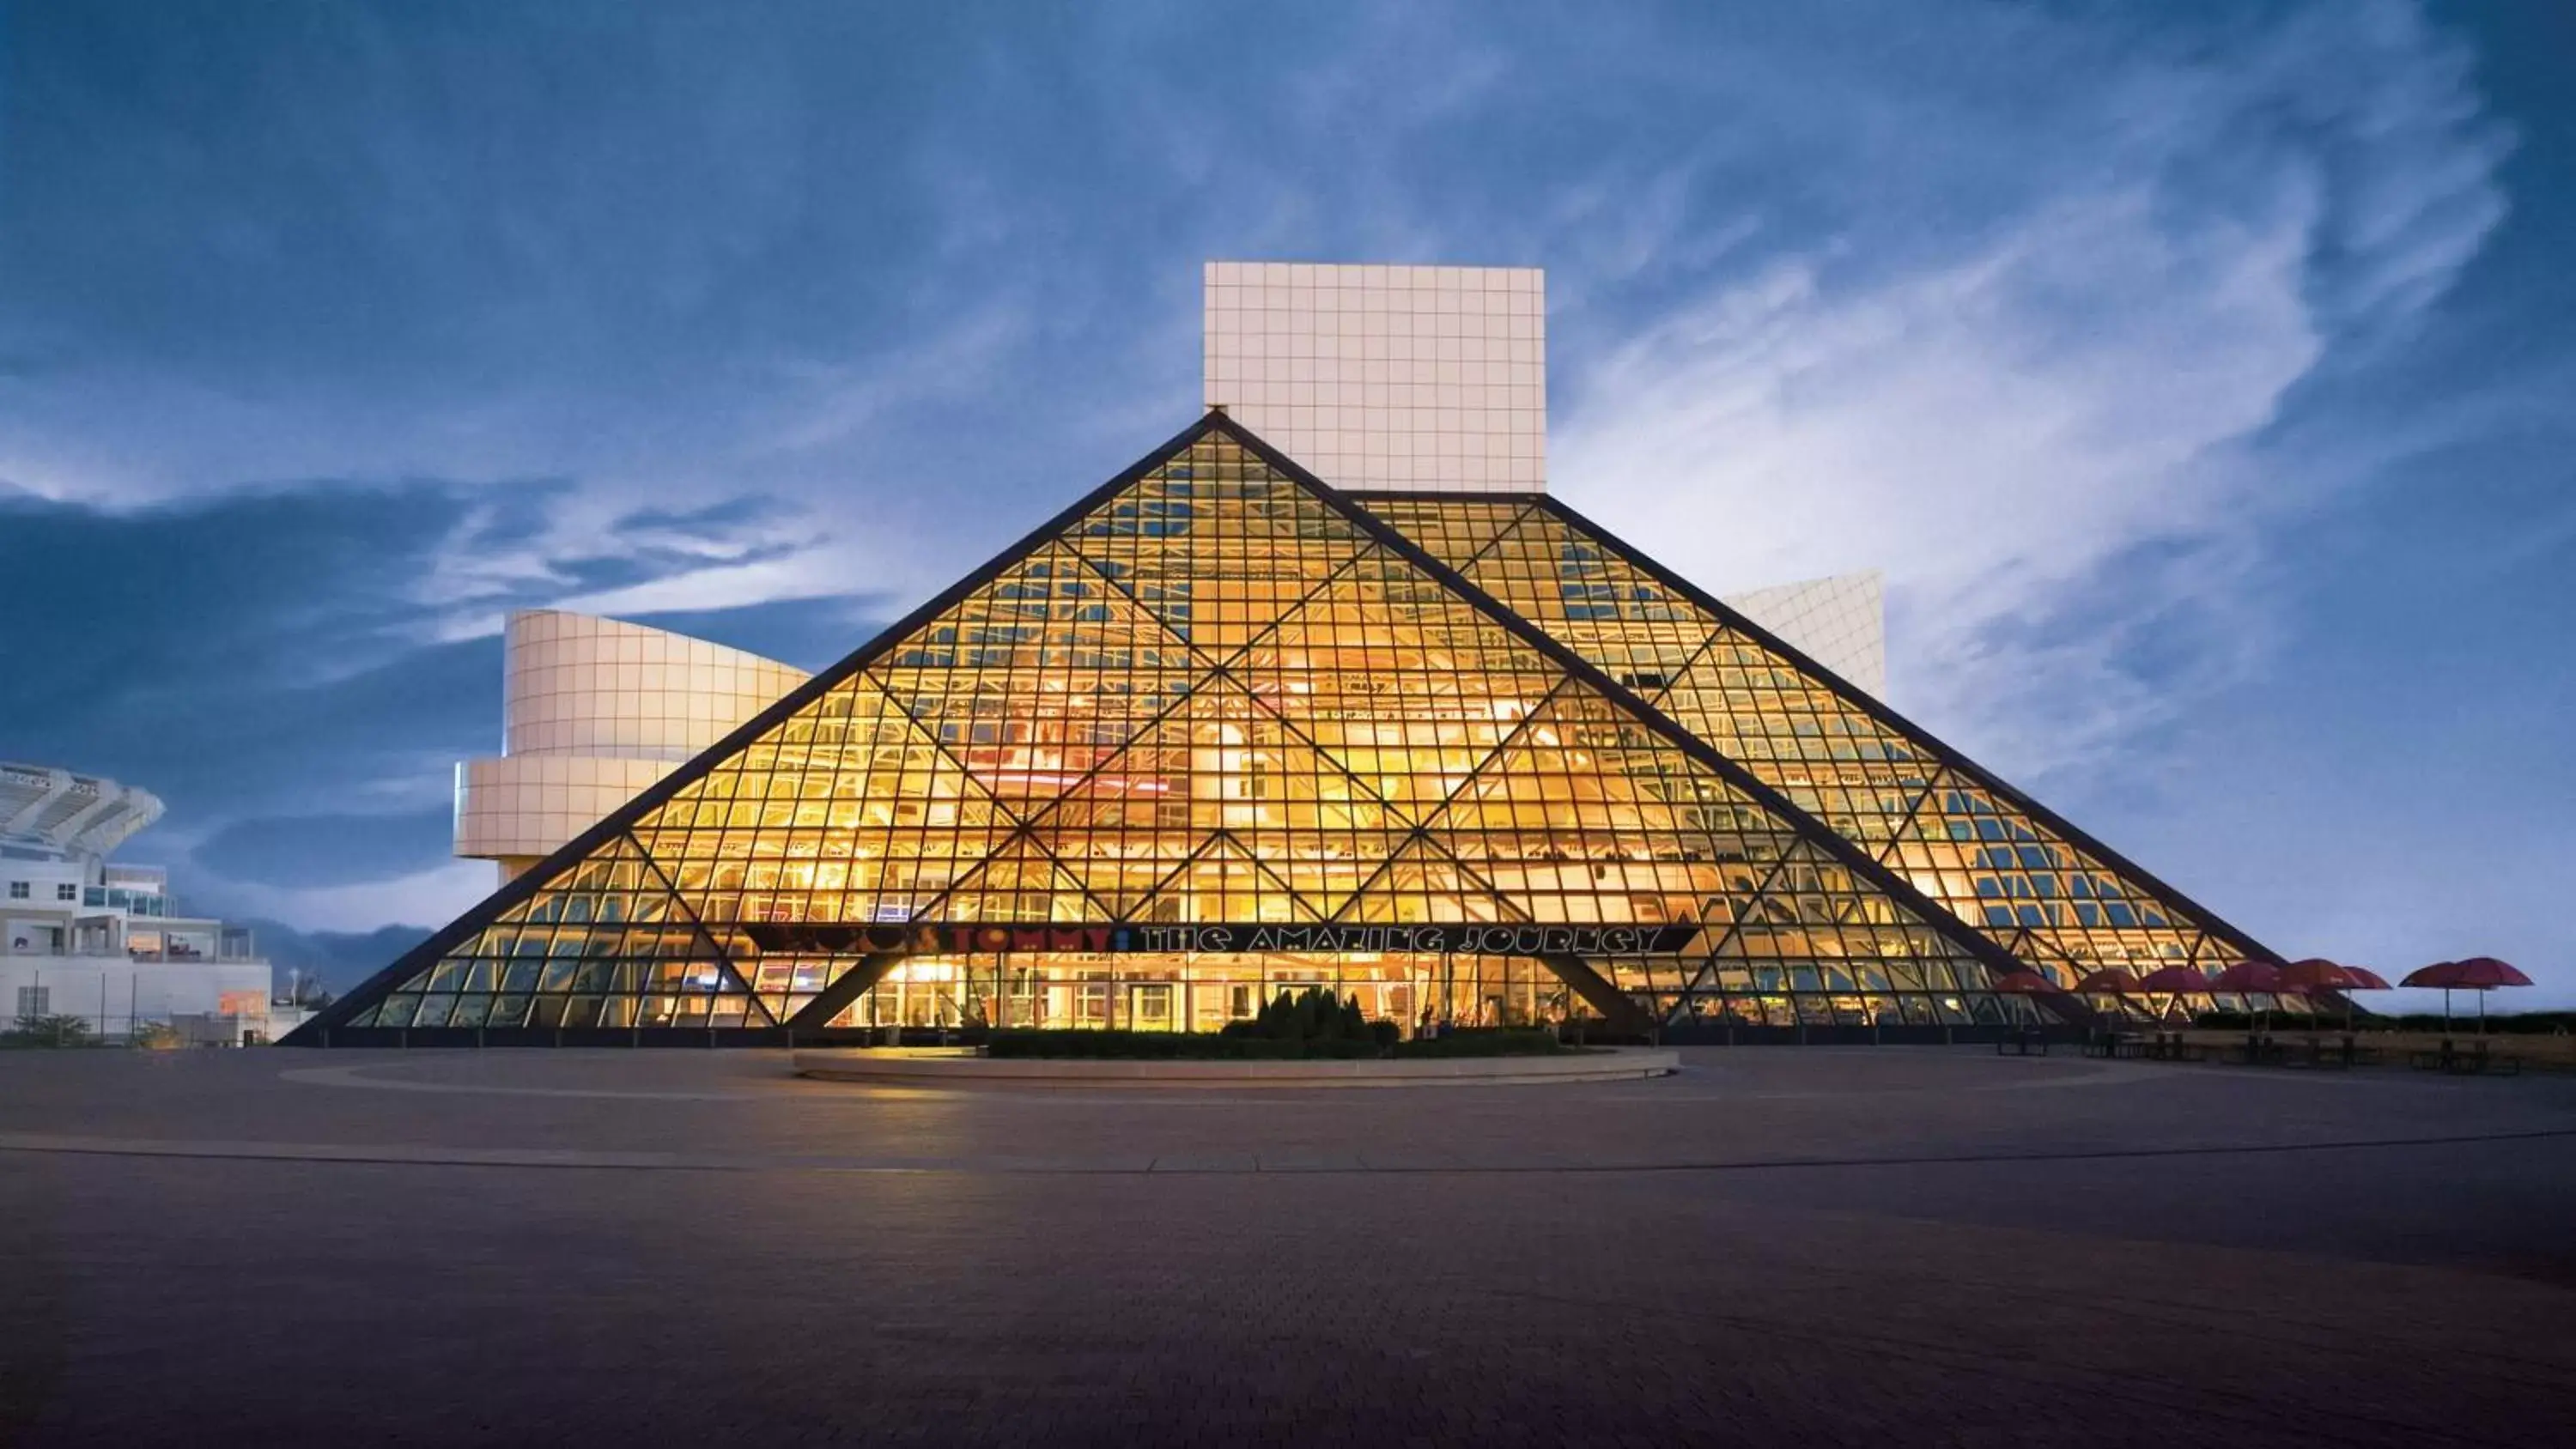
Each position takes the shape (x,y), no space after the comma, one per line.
(965,1067)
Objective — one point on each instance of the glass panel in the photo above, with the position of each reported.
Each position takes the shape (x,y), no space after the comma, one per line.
(1989,862)
(1217,698)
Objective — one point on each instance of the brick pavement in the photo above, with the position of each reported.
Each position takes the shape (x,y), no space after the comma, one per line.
(1030,1281)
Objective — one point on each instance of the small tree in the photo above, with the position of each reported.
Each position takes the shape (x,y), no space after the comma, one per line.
(52,1031)
(1319,1017)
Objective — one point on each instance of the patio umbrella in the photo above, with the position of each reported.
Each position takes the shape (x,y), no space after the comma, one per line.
(2110,981)
(2023,983)
(2175,981)
(2424,976)
(2317,975)
(2484,973)
(2251,979)
(2478,973)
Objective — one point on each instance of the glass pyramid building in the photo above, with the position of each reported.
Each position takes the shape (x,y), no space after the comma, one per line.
(1220,730)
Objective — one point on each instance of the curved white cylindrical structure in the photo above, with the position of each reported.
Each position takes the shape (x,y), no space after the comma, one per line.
(593,711)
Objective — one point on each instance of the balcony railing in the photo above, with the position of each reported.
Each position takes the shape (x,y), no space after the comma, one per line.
(121,898)
(181,955)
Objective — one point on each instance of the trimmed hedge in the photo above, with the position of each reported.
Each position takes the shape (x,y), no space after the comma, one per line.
(1167,1046)
(1299,1026)
(1315,1015)
(1078,1043)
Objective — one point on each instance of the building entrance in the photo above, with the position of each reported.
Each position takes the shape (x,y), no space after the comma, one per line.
(1201,991)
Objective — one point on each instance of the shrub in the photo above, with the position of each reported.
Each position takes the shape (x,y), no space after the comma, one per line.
(1312,1015)
(1313,1023)
(156,1035)
(50,1031)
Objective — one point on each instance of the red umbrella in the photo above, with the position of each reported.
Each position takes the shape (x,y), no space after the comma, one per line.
(2175,982)
(2317,974)
(2478,973)
(2110,981)
(2024,983)
(2250,977)
(2365,979)
(2180,980)
(2424,976)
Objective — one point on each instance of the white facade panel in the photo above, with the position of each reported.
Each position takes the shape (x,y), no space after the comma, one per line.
(1840,622)
(1386,377)
(528,805)
(577,685)
(594,711)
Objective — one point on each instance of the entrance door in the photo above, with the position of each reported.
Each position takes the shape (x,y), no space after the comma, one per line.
(1149,1007)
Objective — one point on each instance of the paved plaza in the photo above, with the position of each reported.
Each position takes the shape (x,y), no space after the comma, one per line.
(1861,1245)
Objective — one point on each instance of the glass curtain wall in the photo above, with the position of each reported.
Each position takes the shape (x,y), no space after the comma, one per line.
(1212,695)
(2061,909)
(1203,991)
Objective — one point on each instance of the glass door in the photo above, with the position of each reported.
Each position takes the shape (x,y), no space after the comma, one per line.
(1149,1006)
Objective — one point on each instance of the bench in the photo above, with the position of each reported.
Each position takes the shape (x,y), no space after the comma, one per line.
(2342,1052)
(2120,1045)
(2258,1050)
(2471,1058)
(2173,1046)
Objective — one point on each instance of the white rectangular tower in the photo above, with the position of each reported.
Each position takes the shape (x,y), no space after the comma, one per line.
(1434,379)
(1386,378)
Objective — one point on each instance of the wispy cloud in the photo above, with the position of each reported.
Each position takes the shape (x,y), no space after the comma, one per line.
(2044,426)
(2059,314)
(806,574)
(296,668)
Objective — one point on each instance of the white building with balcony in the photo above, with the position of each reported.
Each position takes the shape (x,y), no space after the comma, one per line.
(87,938)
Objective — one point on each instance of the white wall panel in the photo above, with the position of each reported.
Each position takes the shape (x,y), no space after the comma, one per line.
(593,712)
(577,685)
(1840,622)
(1386,377)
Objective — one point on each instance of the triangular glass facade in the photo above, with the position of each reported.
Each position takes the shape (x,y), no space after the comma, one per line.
(2061,904)
(1219,730)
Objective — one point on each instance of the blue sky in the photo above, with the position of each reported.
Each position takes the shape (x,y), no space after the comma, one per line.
(2198,374)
